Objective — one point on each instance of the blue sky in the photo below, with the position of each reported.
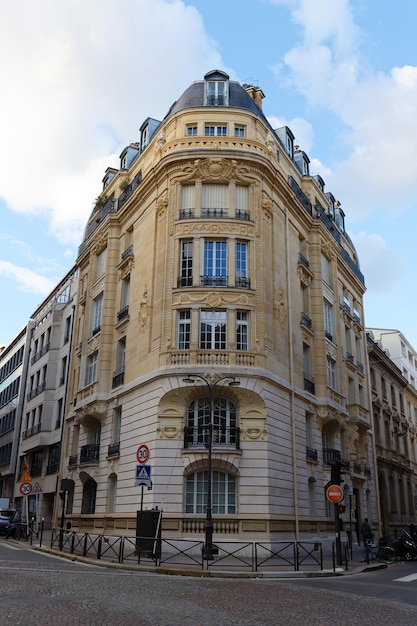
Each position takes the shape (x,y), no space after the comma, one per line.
(79,78)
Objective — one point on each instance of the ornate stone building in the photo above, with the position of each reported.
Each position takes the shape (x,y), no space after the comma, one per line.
(220,324)
(394,408)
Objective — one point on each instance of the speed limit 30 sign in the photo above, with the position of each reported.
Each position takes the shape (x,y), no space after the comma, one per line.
(25,489)
(142,454)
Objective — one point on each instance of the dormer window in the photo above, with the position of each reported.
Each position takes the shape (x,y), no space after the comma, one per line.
(286,137)
(216,88)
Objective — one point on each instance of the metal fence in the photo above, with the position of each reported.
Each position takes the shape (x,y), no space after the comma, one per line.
(188,553)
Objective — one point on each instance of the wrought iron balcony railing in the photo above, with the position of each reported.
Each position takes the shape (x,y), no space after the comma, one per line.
(222,436)
(90,453)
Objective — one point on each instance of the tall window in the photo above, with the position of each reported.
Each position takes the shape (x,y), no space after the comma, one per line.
(101,263)
(331,372)
(223,493)
(121,353)
(216,92)
(184,329)
(223,417)
(186,264)
(328,319)
(326,270)
(187,201)
(242,264)
(242,326)
(91,369)
(242,202)
(96,311)
(213,330)
(215,263)
(88,506)
(214,200)
(125,293)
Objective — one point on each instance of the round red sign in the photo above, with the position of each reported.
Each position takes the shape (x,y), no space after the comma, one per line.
(334,493)
(142,454)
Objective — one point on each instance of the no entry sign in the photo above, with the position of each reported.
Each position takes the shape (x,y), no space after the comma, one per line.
(334,493)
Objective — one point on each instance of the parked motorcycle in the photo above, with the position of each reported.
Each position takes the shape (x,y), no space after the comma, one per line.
(405,547)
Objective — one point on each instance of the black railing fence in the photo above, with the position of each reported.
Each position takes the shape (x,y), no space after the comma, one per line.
(188,553)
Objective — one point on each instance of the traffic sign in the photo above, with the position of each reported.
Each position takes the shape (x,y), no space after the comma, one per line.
(334,493)
(143,475)
(142,454)
(37,488)
(25,477)
(25,489)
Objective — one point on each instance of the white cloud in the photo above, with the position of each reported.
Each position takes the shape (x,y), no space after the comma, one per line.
(27,280)
(381,266)
(81,78)
(377,109)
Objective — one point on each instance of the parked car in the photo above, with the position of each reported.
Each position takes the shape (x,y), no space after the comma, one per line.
(6,517)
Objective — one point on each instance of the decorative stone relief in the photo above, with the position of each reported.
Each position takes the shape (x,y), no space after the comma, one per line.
(213,299)
(143,310)
(100,243)
(195,228)
(97,409)
(216,168)
(267,206)
(327,250)
(280,307)
(161,205)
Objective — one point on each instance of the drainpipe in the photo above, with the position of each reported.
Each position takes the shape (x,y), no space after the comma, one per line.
(291,381)
(374,457)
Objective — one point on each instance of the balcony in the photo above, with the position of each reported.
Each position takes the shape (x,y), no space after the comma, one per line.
(90,454)
(123,314)
(40,353)
(222,437)
(311,454)
(186,214)
(306,321)
(184,281)
(357,469)
(127,253)
(33,430)
(309,383)
(73,460)
(213,281)
(242,214)
(331,456)
(36,391)
(212,357)
(303,261)
(114,449)
(118,377)
(243,282)
(212,213)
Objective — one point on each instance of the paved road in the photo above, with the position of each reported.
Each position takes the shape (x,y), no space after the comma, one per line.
(36,592)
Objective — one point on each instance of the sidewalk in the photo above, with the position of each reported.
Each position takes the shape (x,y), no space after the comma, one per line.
(354,565)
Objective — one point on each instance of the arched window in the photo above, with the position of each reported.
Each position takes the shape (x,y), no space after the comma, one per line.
(88,506)
(111,493)
(223,493)
(221,414)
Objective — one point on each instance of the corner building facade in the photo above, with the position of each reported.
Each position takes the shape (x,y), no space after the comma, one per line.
(213,257)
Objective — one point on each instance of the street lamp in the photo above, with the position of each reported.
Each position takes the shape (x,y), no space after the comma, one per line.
(212,387)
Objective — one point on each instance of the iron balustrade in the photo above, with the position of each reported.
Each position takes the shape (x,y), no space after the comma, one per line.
(243,282)
(214,281)
(222,436)
(113,449)
(311,454)
(90,453)
(331,456)
(127,253)
(118,377)
(123,313)
(306,321)
(309,383)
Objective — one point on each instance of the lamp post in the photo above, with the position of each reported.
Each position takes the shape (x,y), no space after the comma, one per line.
(212,387)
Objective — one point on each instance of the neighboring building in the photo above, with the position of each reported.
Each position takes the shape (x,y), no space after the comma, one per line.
(213,256)
(13,368)
(399,350)
(45,389)
(394,407)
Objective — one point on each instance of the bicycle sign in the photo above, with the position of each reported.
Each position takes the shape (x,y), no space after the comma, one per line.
(142,454)
(25,489)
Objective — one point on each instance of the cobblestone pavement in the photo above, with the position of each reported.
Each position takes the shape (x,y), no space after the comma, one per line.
(83,595)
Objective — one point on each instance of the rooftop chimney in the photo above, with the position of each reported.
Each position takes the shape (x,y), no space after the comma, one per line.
(255,93)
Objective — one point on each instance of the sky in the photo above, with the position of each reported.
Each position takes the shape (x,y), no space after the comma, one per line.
(79,78)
